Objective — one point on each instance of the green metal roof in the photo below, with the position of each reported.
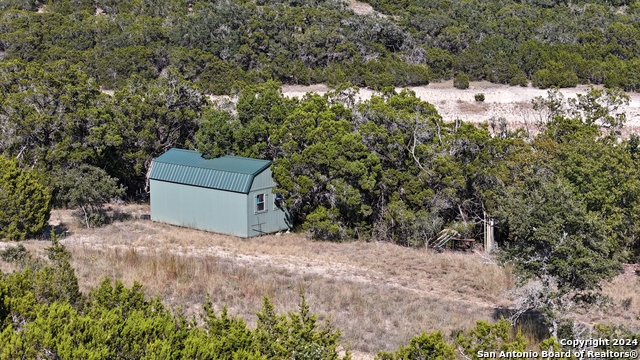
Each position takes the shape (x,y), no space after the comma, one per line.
(230,173)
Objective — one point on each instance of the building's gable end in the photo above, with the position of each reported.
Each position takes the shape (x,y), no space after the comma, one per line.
(263,180)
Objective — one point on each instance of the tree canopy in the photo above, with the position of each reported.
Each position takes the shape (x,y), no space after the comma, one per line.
(87,188)
(220,47)
(93,91)
(24,201)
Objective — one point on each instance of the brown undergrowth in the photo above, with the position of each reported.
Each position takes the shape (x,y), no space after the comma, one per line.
(380,295)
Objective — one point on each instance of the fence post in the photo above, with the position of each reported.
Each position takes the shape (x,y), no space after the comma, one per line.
(488,233)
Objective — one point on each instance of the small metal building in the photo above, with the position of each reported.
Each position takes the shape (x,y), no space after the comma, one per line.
(229,195)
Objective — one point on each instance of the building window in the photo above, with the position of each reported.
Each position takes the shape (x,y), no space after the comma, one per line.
(260,202)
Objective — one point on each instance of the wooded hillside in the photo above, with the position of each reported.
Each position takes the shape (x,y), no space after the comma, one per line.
(566,199)
(221,45)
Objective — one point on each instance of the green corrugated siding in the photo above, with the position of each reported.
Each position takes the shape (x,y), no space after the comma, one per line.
(269,221)
(263,180)
(213,179)
(229,173)
(225,163)
(214,194)
(273,219)
(199,208)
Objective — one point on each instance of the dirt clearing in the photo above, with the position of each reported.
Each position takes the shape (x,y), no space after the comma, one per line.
(510,102)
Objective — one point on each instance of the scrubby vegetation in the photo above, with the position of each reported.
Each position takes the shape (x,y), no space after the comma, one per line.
(87,188)
(384,169)
(566,199)
(43,314)
(221,46)
(552,43)
(217,46)
(24,201)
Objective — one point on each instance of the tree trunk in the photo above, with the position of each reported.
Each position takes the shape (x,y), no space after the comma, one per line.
(86,218)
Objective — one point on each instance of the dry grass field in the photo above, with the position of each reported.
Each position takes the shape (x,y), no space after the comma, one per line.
(378,294)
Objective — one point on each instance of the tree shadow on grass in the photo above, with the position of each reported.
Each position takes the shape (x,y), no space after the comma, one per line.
(60,230)
(101,217)
(117,215)
(531,323)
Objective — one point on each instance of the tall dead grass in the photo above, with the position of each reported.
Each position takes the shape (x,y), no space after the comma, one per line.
(380,295)
(372,316)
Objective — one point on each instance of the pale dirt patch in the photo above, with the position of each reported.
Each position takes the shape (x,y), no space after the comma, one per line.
(511,102)
(300,90)
(106,91)
(360,8)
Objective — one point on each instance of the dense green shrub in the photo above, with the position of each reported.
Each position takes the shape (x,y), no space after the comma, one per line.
(14,253)
(545,78)
(519,79)
(24,201)
(87,188)
(479,97)
(43,312)
(424,346)
(488,337)
(461,81)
